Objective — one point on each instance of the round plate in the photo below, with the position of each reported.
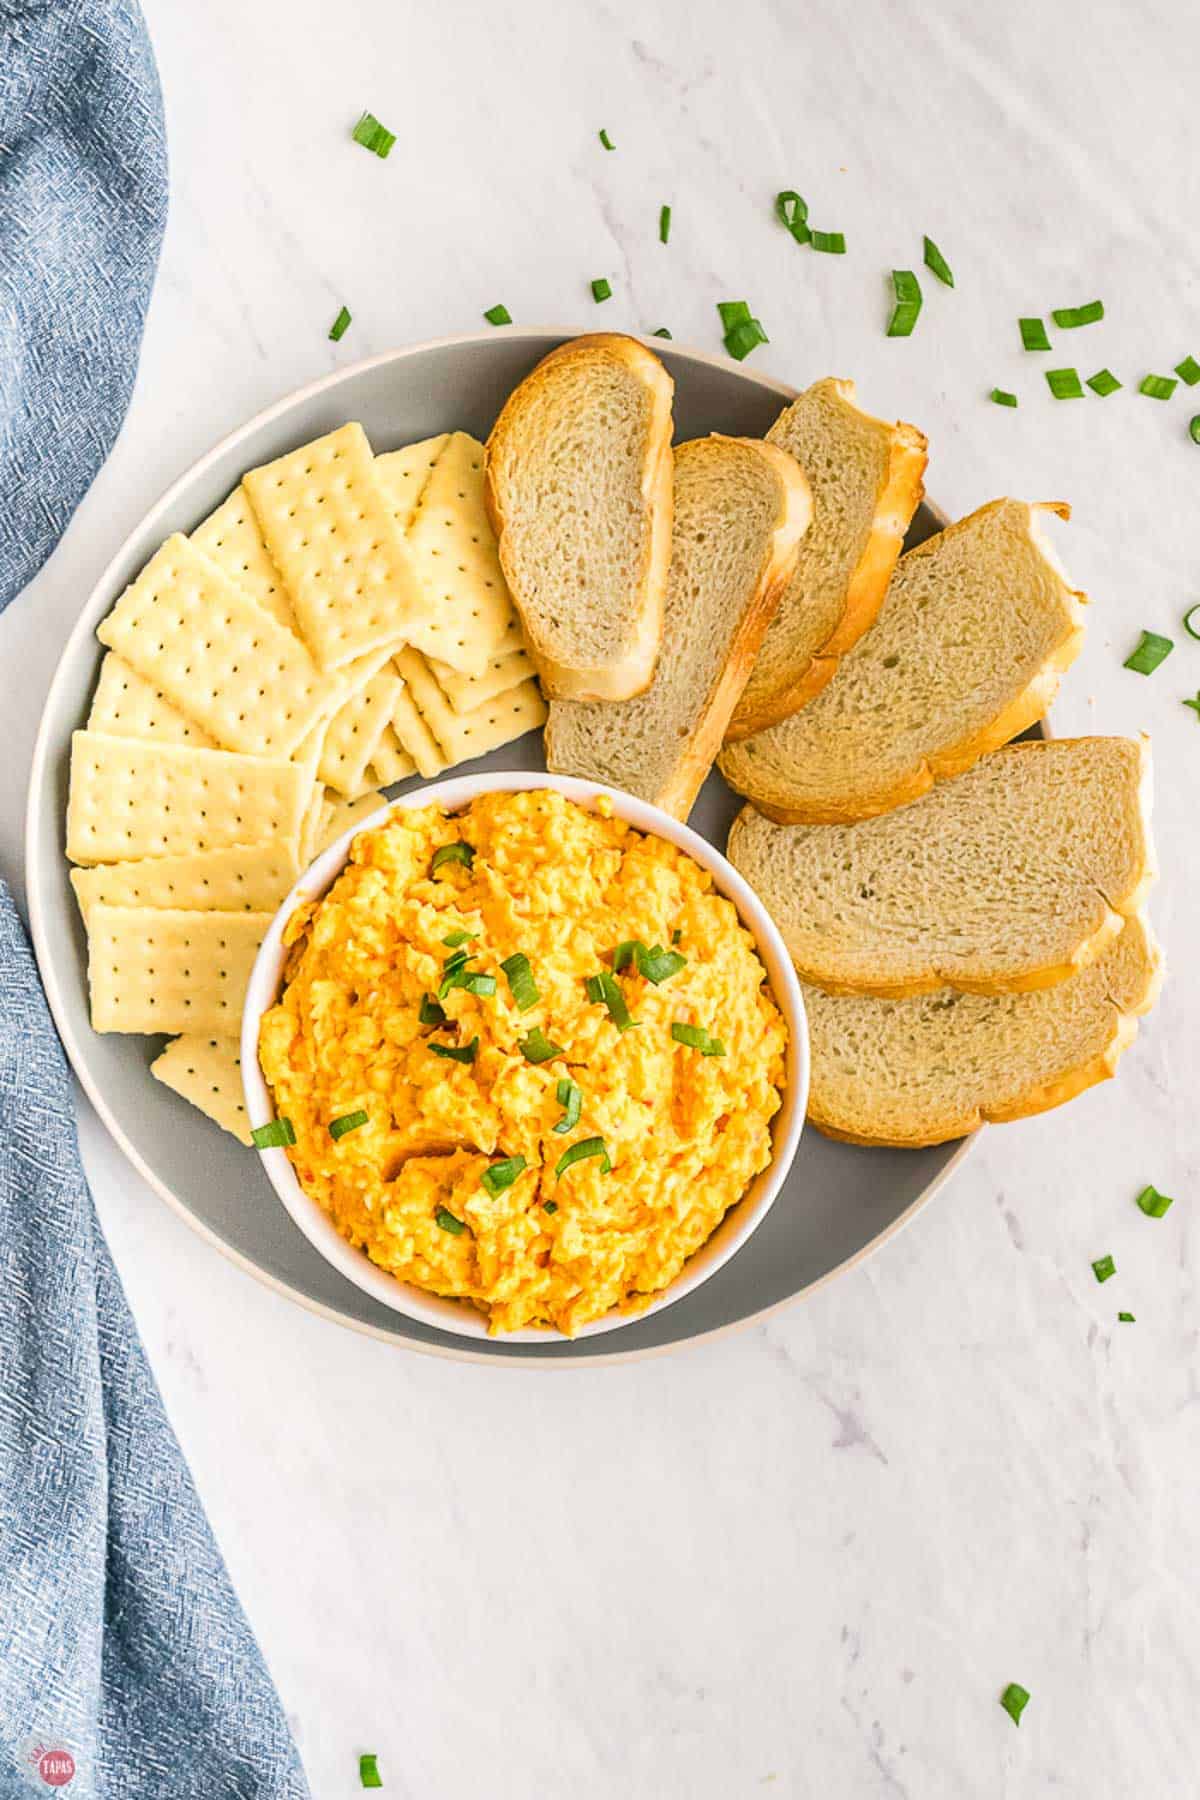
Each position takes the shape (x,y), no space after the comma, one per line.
(838,1203)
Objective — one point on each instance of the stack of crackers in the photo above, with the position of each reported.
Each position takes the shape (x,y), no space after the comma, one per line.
(339,624)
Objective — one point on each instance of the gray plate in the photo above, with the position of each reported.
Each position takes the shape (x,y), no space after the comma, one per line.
(838,1202)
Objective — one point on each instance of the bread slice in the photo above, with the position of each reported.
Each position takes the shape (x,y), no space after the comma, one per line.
(926,1069)
(966,653)
(866,481)
(578,490)
(741,509)
(1010,878)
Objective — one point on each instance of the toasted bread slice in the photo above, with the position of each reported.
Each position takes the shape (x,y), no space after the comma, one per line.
(578,490)
(966,653)
(1010,878)
(866,481)
(741,509)
(933,1067)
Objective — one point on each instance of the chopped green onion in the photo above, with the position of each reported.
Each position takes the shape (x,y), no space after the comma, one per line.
(338,329)
(521,984)
(677,935)
(368,1772)
(1034,335)
(664,224)
(455,1227)
(604,990)
(569,1096)
(831,243)
(1071,316)
(1194,704)
(607,141)
(733,312)
(1194,429)
(1014,1700)
(1157,387)
(593,1146)
(1153,649)
(936,262)
(453,939)
(1103,382)
(696,1038)
(1188,370)
(1126,1319)
(460,1053)
(498,315)
(550,1206)
(452,853)
(536,1047)
(908,303)
(430,1013)
(372,135)
(1064,384)
(661,332)
(1103,1267)
(792,211)
(745,338)
(1002,397)
(1188,616)
(472,981)
(500,1175)
(354,1121)
(274,1135)
(601,289)
(1154,1204)
(658,965)
(623,954)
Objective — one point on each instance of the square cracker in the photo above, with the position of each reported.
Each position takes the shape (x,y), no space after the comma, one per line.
(243,878)
(215,653)
(354,731)
(331,531)
(230,537)
(463,735)
(466,692)
(131,799)
(208,1072)
(404,474)
(125,704)
(153,969)
(390,762)
(310,825)
(415,737)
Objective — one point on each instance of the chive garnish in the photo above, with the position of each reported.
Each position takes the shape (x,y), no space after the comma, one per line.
(604,990)
(661,332)
(937,264)
(593,1146)
(472,981)
(570,1097)
(1069,317)
(536,1047)
(607,141)
(455,1227)
(348,1122)
(550,1206)
(677,935)
(1194,429)
(1002,397)
(696,1038)
(1014,1700)
(1103,382)
(1157,387)
(831,243)
(459,1053)
(792,211)
(743,332)
(1194,704)
(338,329)
(273,1136)
(1154,1204)
(1153,650)
(1064,384)
(664,224)
(1126,1319)
(733,312)
(372,135)
(1188,370)
(601,289)
(1103,1267)
(658,965)
(1188,616)
(368,1772)
(453,939)
(452,853)
(623,954)
(498,315)
(908,303)
(430,1013)
(1034,335)
(521,984)
(500,1175)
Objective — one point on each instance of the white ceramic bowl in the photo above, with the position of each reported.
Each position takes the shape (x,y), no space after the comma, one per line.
(452,1315)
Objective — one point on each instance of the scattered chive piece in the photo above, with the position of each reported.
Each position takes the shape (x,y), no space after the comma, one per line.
(521,984)
(658,965)
(792,211)
(498,315)
(664,224)
(500,1175)
(908,303)
(1157,387)
(372,135)
(1126,1319)
(569,1096)
(744,338)
(368,1766)
(936,262)
(460,1053)
(1153,649)
(1064,384)
(1188,616)
(733,312)
(1154,1204)
(677,935)
(550,1206)
(1194,704)
(455,1227)
(601,289)
(696,1038)
(661,332)
(593,1146)
(274,1135)
(605,990)
(1188,370)
(1071,316)
(348,1122)
(338,329)
(452,853)
(832,243)
(472,981)
(536,1047)
(1103,382)
(1014,1700)
(623,954)
(1194,429)
(430,1013)
(1002,397)
(453,939)
(1103,1267)
(607,141)
(1034,335)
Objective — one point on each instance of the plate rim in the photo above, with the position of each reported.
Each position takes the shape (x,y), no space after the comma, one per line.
(47,970)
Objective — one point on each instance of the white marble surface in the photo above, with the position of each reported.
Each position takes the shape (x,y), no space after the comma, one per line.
(803,1560)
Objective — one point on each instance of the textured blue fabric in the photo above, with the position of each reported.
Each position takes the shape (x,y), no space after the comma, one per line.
(120,1636)
(83,202)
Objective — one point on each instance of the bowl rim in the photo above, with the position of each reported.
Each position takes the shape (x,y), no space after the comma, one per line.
(456,793)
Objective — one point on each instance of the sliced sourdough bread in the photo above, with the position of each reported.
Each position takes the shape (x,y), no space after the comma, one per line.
(741,509)
(1009,878)
(977,627)
(866,481)
(578,490)
(933,1067)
